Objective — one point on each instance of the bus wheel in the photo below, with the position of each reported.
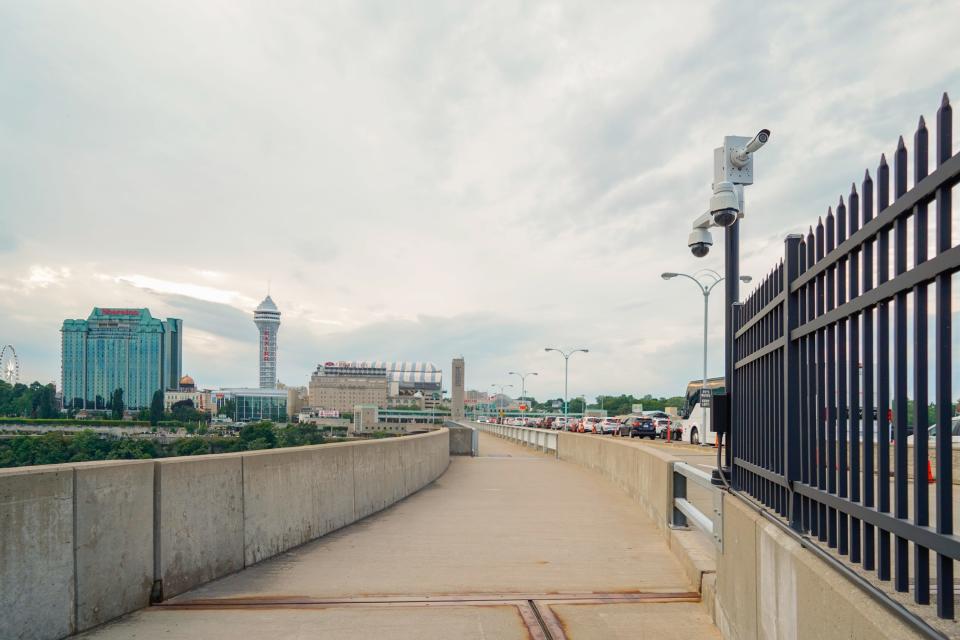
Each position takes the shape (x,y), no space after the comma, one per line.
(694,436)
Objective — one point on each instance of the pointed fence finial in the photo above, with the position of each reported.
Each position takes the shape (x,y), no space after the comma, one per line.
(853,188)
(883,159)
(945,101)
(900,144)
(922,124)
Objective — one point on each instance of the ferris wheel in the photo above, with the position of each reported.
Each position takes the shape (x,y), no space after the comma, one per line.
(9,365)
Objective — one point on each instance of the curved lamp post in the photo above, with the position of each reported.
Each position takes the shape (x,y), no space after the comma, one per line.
(566,370)
(523,381)
(706,280)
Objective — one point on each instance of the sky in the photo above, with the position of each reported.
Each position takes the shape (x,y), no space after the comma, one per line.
(425,180)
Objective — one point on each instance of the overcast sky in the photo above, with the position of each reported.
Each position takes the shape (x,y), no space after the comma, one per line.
(423,180)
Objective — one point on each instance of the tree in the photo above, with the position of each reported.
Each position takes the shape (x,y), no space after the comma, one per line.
(184,411)
(229,408)
(116,404)
(259,431)
(156,407)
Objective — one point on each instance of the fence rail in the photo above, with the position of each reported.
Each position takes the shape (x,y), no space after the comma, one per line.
(832,367)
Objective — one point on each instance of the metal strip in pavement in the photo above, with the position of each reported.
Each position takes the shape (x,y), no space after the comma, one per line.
(423,600)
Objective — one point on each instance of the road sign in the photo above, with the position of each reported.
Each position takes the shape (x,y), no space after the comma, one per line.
(523,407)
(637,408)
(705,396)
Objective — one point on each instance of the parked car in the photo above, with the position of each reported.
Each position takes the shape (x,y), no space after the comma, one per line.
(589,424)
(608,426)
(559,423)
(640,427)
(663,424)
(483,419)
(932,432)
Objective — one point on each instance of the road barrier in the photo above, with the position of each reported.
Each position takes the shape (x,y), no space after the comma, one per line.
(542,439)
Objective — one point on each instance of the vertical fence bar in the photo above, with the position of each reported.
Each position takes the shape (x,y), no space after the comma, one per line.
(854,369)
(843,534)
(869,452)
(803,451)
(883,372)
(811,403)
(830,379)
(901,551)
(821,393)
(943,363)
(921,496)
(791,377)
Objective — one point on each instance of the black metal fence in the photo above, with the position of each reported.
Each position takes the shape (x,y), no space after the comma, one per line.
(825,398)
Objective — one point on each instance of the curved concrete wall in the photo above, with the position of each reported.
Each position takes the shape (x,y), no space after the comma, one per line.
(84,543)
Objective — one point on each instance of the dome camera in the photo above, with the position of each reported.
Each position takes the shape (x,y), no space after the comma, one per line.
(700,242)
(724,204)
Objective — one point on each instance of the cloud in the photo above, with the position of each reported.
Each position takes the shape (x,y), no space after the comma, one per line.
(479,178)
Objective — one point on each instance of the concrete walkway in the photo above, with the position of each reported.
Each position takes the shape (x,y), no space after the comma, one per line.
(504,545)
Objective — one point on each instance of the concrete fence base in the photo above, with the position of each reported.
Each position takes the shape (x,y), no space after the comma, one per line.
(84,543)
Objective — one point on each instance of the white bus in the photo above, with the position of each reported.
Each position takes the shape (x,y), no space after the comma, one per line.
(696,427)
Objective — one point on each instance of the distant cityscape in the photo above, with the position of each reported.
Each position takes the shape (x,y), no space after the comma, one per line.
(127,351)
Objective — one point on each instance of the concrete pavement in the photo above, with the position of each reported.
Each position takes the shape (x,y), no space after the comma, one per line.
(503,545)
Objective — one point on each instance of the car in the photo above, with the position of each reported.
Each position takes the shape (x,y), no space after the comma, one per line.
(589,424)
(932,431)
(663,424)
(609,426)
(640,427)
(559,423)
(483,419)
(548,422)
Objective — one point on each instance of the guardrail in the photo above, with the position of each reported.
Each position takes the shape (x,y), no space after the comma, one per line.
(686,513)
(544,439)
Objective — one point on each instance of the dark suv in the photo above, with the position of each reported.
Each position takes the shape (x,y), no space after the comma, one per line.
(638,427)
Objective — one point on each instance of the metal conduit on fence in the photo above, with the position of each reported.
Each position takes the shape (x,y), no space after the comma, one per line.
(829,352)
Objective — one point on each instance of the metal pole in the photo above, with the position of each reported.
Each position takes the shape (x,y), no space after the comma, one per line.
(566,371)
(703,388)
(732,275)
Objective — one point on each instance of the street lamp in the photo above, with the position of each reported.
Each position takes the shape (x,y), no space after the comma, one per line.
(566,370)
(523,381)
(706,280)
(502,387)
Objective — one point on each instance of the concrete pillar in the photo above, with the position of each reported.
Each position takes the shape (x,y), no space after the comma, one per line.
(457,390)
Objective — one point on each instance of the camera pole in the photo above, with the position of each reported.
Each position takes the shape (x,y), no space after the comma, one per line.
(732,275)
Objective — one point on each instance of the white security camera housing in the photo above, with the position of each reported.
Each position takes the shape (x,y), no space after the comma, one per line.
(699,242)
(724,204)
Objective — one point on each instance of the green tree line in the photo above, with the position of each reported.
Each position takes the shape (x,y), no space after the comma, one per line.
(59,448)
(28,401)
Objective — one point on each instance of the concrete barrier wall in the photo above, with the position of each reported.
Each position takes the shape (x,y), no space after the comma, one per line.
(461,438)
(198,520)
(768,586)
(84,543)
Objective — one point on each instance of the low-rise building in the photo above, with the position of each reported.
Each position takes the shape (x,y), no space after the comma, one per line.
(187,390)
(340,386)
(254,405)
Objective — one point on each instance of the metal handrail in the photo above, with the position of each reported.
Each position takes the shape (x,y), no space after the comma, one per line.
(685,512)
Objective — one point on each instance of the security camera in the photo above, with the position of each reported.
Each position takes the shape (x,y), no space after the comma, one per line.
(740,157)
(724,204)
(700,242)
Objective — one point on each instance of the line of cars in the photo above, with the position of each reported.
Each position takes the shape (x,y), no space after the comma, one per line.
(651,424)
